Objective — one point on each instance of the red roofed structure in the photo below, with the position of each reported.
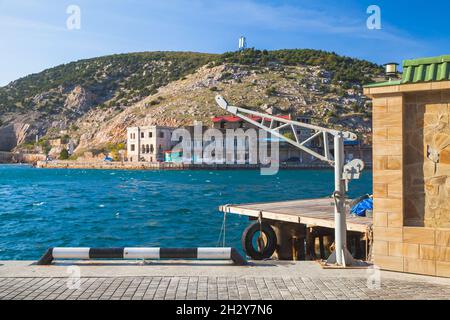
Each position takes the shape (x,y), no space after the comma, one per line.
(237,119)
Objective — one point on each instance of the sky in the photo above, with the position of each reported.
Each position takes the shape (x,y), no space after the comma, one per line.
(34,34)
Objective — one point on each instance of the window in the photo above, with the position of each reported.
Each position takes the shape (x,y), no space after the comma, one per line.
(132,147)
(143,149)
(161,134)
(147,149)
(142,135)
(150,134)
(152,148)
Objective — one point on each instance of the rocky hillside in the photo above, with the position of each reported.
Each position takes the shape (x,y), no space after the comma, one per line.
(91,102)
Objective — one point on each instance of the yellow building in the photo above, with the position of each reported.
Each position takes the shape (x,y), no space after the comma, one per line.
(411,168)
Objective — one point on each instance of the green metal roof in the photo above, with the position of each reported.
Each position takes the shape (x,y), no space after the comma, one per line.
(383,84)
(426,69)
(421,70)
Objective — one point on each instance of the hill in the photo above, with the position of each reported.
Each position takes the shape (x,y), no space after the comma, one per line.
(92,101)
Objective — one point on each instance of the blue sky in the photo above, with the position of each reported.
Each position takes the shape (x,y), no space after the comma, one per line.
(34,36)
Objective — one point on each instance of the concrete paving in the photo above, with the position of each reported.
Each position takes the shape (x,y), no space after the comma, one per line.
(210,280)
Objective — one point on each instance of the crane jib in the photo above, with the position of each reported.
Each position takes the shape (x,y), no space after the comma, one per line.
(343,172)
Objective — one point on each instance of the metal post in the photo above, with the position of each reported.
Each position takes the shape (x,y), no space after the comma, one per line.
(340,256)
(339,214)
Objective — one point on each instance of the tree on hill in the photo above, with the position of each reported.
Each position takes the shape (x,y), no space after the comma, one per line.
(64,154)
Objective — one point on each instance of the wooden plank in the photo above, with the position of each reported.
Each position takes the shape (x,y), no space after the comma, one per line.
(311,212)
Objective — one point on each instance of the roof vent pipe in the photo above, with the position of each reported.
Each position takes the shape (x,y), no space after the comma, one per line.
(391,70)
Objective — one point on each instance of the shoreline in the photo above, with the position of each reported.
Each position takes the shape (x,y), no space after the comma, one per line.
(58,164)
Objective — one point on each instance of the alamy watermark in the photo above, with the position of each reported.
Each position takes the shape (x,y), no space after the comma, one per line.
(73,22)
(74,279)
(374,20)
(227,146)
(374,278)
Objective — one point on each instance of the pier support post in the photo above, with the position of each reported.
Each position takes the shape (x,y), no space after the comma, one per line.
(285,232)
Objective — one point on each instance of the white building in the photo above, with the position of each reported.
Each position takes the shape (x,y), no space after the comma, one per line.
(148,143)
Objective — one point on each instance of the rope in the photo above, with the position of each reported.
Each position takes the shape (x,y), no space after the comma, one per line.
(223,229)
(338,195)
(335,195)
(369,254)
(260,221)
(260,240)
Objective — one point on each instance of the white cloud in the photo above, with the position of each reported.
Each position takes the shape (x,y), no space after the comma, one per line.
(283,18)
(17,23)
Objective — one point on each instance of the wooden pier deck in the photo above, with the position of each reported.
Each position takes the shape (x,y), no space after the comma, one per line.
(311,212)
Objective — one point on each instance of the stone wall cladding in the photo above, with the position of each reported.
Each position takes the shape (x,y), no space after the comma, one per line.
(387,178)
(411,165)
(427,140)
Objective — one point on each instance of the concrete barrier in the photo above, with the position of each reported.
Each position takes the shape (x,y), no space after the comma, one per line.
(142,253)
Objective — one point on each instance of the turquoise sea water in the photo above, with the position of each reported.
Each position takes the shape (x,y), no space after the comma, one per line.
(41,208)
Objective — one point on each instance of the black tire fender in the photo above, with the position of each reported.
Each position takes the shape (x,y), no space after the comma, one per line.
(247,241)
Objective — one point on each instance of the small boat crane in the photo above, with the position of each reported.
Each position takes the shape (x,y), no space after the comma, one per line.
(343,173)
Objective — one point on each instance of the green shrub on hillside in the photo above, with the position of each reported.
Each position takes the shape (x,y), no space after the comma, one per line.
(344,69)
(271,91)
(45,146)
(102,76)
(64,154)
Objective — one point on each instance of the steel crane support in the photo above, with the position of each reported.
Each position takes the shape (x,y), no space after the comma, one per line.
(342,172)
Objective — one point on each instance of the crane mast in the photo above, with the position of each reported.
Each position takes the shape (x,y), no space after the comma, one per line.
(342,172)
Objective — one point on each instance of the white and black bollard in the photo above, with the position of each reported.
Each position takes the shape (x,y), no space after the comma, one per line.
(142,253)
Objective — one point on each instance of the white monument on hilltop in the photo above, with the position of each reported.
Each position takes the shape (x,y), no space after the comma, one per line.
(242,43)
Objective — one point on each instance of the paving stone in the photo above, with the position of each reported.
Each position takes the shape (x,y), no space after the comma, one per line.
(213,288)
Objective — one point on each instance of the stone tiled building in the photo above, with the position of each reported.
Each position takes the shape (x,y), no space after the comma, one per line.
(411,158)
(148,143)
(286,151)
